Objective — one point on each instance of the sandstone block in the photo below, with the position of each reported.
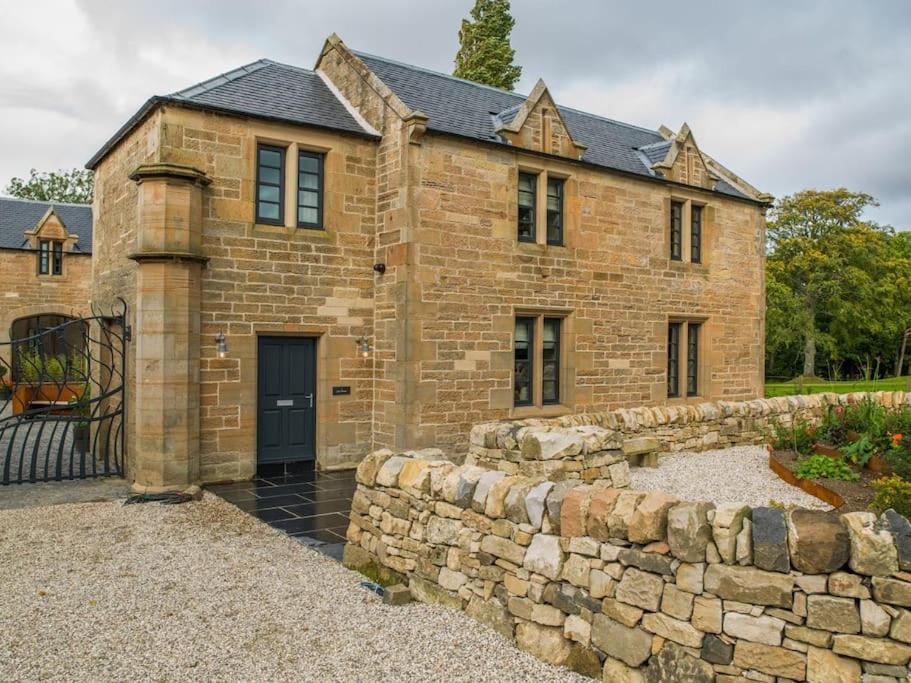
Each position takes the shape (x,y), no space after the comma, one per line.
(874,620)
(600,584)
(750,585)
(673,663)
(535,503)
(423,590)
(676,603)
(459,485)
(770,540)
(577,629)
(675,630)
(618,611)
(892,591)
(649,520)
(640,589)
(495,505)
(622,514)
(818,543)
(829,613)
(442,530)
(482,488)
(824,666)
(491,613)
(688,530)
(766,630)
(901,627)
(515,501)
(707,614)
(873,551)
(544,556)
(370,466)
(576,570)
(554,502)
(716,651)
(503,548)
(544,642)
(900,529)
(775,661)
(619,474)
(616,671)
(690,577)
(574,511)
(388,474)
(847,585)
(726,526)
(640,445)
(546,444)
(599,509)
(650,562)
(872,649)
(632,646)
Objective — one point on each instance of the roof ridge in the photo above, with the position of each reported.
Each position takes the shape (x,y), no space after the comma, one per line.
(655,144)
(50,202)
(221,79)
(440,73)
(285,65)
(500,90)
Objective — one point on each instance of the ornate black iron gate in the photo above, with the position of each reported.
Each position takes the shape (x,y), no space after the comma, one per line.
(62,398)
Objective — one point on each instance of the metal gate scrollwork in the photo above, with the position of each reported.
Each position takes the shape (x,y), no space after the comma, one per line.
(62,397)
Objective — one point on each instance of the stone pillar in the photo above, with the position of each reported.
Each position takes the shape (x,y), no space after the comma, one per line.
(166,332)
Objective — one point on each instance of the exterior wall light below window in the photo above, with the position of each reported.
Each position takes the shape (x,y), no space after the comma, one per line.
(363,345)
(221,346)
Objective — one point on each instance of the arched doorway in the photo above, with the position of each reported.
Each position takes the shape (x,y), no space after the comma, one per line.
(48,347)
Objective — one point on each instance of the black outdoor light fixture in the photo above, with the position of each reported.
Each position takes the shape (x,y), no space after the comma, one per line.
(363,345)
(221,346)
(379,268)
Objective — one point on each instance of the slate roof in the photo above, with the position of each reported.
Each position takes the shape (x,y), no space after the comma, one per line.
(19,215)
(274,91)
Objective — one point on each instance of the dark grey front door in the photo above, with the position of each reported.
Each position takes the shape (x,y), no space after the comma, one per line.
(286,425)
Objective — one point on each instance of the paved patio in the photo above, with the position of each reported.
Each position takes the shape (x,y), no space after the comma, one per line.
(310,506)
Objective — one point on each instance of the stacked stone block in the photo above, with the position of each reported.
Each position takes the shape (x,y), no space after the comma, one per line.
(639,586)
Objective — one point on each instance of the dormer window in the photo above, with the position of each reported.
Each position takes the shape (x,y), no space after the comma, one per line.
(50,257)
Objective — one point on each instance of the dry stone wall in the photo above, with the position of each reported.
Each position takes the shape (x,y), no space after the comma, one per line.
(547,446)
(639,586)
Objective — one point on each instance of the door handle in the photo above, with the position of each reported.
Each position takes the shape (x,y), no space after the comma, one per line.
(310,397)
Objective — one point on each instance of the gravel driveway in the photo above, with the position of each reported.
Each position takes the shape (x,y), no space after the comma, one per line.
(730,475)
(202,591)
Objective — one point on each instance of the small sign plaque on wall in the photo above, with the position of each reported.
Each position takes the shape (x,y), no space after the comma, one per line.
(341,391)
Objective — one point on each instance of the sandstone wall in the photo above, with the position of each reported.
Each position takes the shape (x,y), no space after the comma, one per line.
(634,586)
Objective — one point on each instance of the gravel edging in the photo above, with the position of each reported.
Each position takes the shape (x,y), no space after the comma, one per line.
(203,591)
(739,474)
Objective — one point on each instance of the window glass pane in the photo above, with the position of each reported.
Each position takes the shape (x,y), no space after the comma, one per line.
(308,163)
(307,215)
(268,193)
(550,349)
(269,211)
(676,231)
(696,237)
(305,198)
(692,359)
(270,157)
(522,373)
(271,176)
(526,223)
(673,359)
(527,182)
(309,181)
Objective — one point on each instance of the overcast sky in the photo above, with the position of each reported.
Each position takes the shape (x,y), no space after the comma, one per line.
(789,95)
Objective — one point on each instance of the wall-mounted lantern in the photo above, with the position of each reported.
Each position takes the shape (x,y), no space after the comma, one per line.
(363,345)
(221,346)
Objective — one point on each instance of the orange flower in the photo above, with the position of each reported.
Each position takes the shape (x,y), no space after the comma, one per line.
(896,439)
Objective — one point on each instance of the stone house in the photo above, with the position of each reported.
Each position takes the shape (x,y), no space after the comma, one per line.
(391,255)
(45,267)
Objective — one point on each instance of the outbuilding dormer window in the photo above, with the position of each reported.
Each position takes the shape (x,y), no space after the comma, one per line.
(50,257)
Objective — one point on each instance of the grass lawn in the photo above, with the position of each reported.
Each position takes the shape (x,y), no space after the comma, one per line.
(845,387)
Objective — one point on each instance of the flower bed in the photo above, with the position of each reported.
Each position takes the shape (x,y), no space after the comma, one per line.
(851,451)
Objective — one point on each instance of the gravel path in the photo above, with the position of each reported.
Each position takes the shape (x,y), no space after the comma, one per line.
(202,591)
(730,475)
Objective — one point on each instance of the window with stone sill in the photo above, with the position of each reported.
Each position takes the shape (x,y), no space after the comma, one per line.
(310,190)
(542,223)
(270,184)
(50,257)
(537,359)
(528,197)
(683,358)
(686,231)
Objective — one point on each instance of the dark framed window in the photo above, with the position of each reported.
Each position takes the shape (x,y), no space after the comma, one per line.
(677,231)
(692,359)
(555,211)
(37,339)
(550,368)
(673,359)
(528,193)
(310,190)
(270,184)
(696,235)
(523,345)
(50,257)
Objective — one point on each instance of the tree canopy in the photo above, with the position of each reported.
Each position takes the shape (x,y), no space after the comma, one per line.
(838,288)
(74,186)
(485,54)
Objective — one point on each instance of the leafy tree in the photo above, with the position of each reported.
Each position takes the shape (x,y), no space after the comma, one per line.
(73,186)
(485,54)
(806,232)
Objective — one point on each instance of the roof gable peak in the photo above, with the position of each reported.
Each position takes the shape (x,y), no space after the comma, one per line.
(538,124)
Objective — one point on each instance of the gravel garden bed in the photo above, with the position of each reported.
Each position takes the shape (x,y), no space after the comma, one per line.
(203,591)
(731,475)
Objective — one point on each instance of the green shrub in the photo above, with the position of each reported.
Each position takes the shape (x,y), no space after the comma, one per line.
(860,451)
(892,492)
(867,416)
(799,437)
(824,467)
(833,429)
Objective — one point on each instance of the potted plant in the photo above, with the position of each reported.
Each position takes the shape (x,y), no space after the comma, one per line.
(80,406)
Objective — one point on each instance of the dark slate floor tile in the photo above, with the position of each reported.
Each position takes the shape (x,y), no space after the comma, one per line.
(274,491)
(265,503)
(321,507)
(322,535)
(270,515)
(304,525)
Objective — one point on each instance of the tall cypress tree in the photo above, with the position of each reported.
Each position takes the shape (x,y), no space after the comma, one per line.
(485,55)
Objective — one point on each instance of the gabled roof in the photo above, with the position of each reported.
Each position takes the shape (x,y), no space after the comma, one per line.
(263,89)
(19,215)
(269,90)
